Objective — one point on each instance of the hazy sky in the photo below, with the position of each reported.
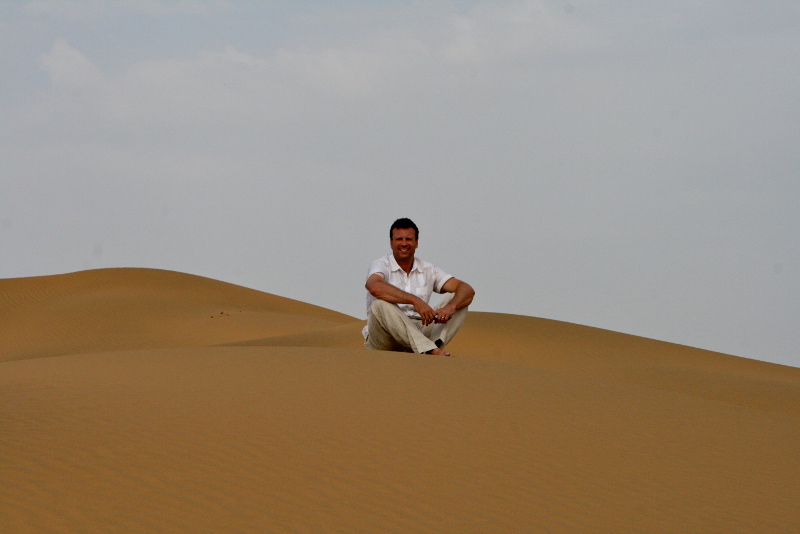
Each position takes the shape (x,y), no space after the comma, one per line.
(630,165)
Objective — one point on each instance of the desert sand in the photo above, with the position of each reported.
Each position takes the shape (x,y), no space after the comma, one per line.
(140,400)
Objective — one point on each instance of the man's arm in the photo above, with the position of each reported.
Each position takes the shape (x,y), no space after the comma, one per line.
(380,289)
(462,298)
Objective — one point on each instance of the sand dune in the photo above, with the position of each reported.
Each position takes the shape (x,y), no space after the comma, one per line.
(137,400)
(117,309)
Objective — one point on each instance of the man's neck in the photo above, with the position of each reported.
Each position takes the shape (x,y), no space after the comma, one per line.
(406,265)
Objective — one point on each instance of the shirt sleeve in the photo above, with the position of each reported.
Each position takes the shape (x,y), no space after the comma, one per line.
(380,267)
(439,279)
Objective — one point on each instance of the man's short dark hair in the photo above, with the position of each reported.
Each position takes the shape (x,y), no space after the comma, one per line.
(404,223)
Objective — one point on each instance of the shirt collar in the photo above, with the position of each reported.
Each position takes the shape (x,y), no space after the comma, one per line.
(396,267)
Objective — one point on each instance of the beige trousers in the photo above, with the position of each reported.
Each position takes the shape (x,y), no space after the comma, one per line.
(388,328)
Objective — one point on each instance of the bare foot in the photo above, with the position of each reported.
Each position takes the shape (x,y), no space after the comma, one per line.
(438,352)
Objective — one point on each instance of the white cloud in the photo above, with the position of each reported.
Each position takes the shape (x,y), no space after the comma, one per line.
(346,72)
(503,30)
(69,68)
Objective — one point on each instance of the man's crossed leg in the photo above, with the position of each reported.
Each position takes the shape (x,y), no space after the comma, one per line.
(390,329)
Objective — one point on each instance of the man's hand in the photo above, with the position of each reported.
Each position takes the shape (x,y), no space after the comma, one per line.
(444,314)
(427,313)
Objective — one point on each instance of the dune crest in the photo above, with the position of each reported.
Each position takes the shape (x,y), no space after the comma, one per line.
(127,308)
(139,400)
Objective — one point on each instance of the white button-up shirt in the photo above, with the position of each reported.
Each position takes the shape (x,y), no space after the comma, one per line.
(422,281)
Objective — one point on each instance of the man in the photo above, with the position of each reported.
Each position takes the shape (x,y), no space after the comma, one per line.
(399,287)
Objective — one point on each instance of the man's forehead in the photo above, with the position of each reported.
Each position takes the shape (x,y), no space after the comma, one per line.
(403,232)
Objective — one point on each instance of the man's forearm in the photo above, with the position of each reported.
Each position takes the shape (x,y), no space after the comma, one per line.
(463,296)
(391,294)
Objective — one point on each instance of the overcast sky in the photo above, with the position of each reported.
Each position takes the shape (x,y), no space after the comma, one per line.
(629,165)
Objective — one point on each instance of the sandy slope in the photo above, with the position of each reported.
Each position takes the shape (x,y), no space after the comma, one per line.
(116,309)
(136,400)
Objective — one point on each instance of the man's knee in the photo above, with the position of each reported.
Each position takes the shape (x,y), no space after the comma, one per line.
(382,316)
(376,304)
(445,300)
(379,308)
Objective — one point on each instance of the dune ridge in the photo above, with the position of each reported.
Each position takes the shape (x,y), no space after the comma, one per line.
(118,309)
(139,400)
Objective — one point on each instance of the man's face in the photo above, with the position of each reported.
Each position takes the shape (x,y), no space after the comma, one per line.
(404,243)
